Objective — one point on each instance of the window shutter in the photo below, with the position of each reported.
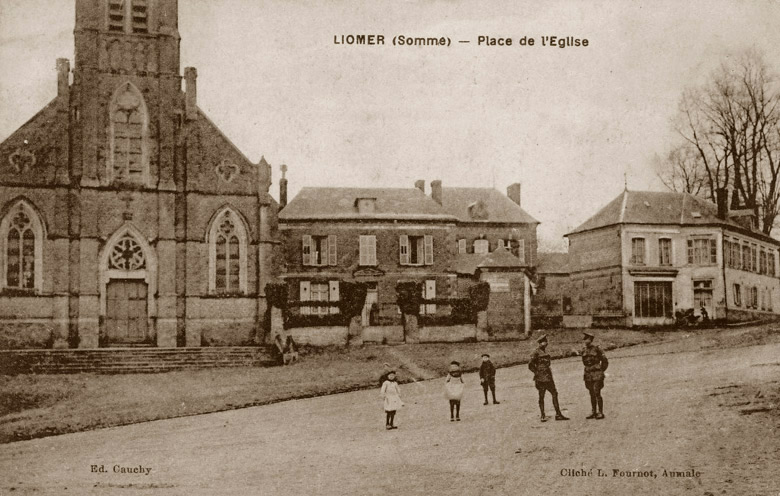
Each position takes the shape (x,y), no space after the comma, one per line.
(690,251)
(372,250)
(430,293)
(404,249)
(334,295)
(521,250)
(332,260)
(306,249)
(461,246)
(428,249)
(305,295)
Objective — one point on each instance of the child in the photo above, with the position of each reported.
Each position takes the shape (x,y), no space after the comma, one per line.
(391,395)
(453,387)
(487,377)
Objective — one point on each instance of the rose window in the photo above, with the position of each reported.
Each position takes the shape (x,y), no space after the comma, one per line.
(127,254)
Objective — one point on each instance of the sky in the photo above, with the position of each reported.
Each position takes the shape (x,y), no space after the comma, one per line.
(574,125)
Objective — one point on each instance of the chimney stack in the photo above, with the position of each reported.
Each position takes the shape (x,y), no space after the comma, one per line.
(723,203)
(63,78)
(191,92)
(420,184)
(283,188)
(513,192)
(436,191)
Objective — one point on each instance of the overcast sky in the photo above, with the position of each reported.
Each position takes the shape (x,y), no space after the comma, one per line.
(567,123)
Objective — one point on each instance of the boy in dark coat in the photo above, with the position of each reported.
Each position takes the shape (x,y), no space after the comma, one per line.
(487,377)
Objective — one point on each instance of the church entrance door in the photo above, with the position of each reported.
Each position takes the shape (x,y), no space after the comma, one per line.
(126,316)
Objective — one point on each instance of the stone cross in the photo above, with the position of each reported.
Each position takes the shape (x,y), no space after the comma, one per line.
(284,171)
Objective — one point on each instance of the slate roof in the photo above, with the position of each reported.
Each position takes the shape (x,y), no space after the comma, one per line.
(656,207)
(456,201)
(339,203)
(500,258)
(552,263)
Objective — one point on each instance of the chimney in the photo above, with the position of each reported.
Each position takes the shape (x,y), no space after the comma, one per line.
(420,184)
(723,203)
(283,188)
(63,78)
(436,191)
(513,192)
(191,92)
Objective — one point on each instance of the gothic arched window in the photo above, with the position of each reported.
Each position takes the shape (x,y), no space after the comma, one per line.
(227,254)
(128,16)
(21,238)
(129,130)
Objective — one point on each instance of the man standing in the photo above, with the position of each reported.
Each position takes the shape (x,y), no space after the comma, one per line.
(595,364)
(543,378)
(487,377)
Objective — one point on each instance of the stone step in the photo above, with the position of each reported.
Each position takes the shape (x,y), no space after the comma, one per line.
(130,360)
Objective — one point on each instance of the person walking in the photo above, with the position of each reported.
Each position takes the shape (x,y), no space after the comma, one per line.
(391,396)
(487,377)
(453,389)
(596,364)
(543,378)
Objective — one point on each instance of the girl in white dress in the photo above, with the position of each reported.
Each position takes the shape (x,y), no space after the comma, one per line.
(391,394)
(453,389)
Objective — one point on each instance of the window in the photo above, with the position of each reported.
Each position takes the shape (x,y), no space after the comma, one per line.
(416,250)
(128,16)
(754,257)
(428,293)
(762,261)
(21,236)
(736,255)
(319,291)
(521,250)
(747,260)
(702,295)
(319,250)
(664,251)
(481,246)
(702,251)
(737,295)
(461,246)
(128,135)
(637,251)
(652,299)
(368,250)
(754,297)
(227,254)
(770,266)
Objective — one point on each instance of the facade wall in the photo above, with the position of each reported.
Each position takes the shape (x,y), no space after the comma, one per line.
(59,163)
(493,232)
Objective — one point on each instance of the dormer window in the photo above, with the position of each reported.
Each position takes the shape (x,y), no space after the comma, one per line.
(128,16)
(366,205)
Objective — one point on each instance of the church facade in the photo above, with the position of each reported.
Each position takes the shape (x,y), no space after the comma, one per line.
(126,217)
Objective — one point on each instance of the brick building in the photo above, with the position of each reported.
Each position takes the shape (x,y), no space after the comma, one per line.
(380,236)
(126,216)
(646,255)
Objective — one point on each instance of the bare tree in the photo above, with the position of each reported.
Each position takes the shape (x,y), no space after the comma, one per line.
(730,129)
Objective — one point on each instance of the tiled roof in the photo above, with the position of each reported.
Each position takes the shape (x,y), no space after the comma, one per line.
(339,203)
(468,263)
(552,263)
(654,207)
(497,206)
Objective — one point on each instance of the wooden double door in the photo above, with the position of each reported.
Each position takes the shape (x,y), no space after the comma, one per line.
(126,312)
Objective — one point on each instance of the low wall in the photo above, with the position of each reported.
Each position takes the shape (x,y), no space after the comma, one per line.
(577,321)
(320,336)
(448,334)
(383,334)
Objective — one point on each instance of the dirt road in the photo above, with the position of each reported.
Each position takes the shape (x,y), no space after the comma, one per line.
(709,417)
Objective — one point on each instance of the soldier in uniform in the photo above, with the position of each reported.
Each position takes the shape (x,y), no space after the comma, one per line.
(543,378)
(595,364)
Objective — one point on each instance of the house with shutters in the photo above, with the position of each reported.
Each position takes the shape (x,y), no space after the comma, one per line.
(127,218)
(380,236)
(647,255)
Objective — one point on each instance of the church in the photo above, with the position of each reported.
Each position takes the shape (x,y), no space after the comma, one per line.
(126,217)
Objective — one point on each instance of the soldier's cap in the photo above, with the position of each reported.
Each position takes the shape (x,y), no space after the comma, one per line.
(455,362)
(485,355)
(588,335)
(542,338)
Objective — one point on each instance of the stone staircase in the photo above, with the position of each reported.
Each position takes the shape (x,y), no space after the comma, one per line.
(130,360)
